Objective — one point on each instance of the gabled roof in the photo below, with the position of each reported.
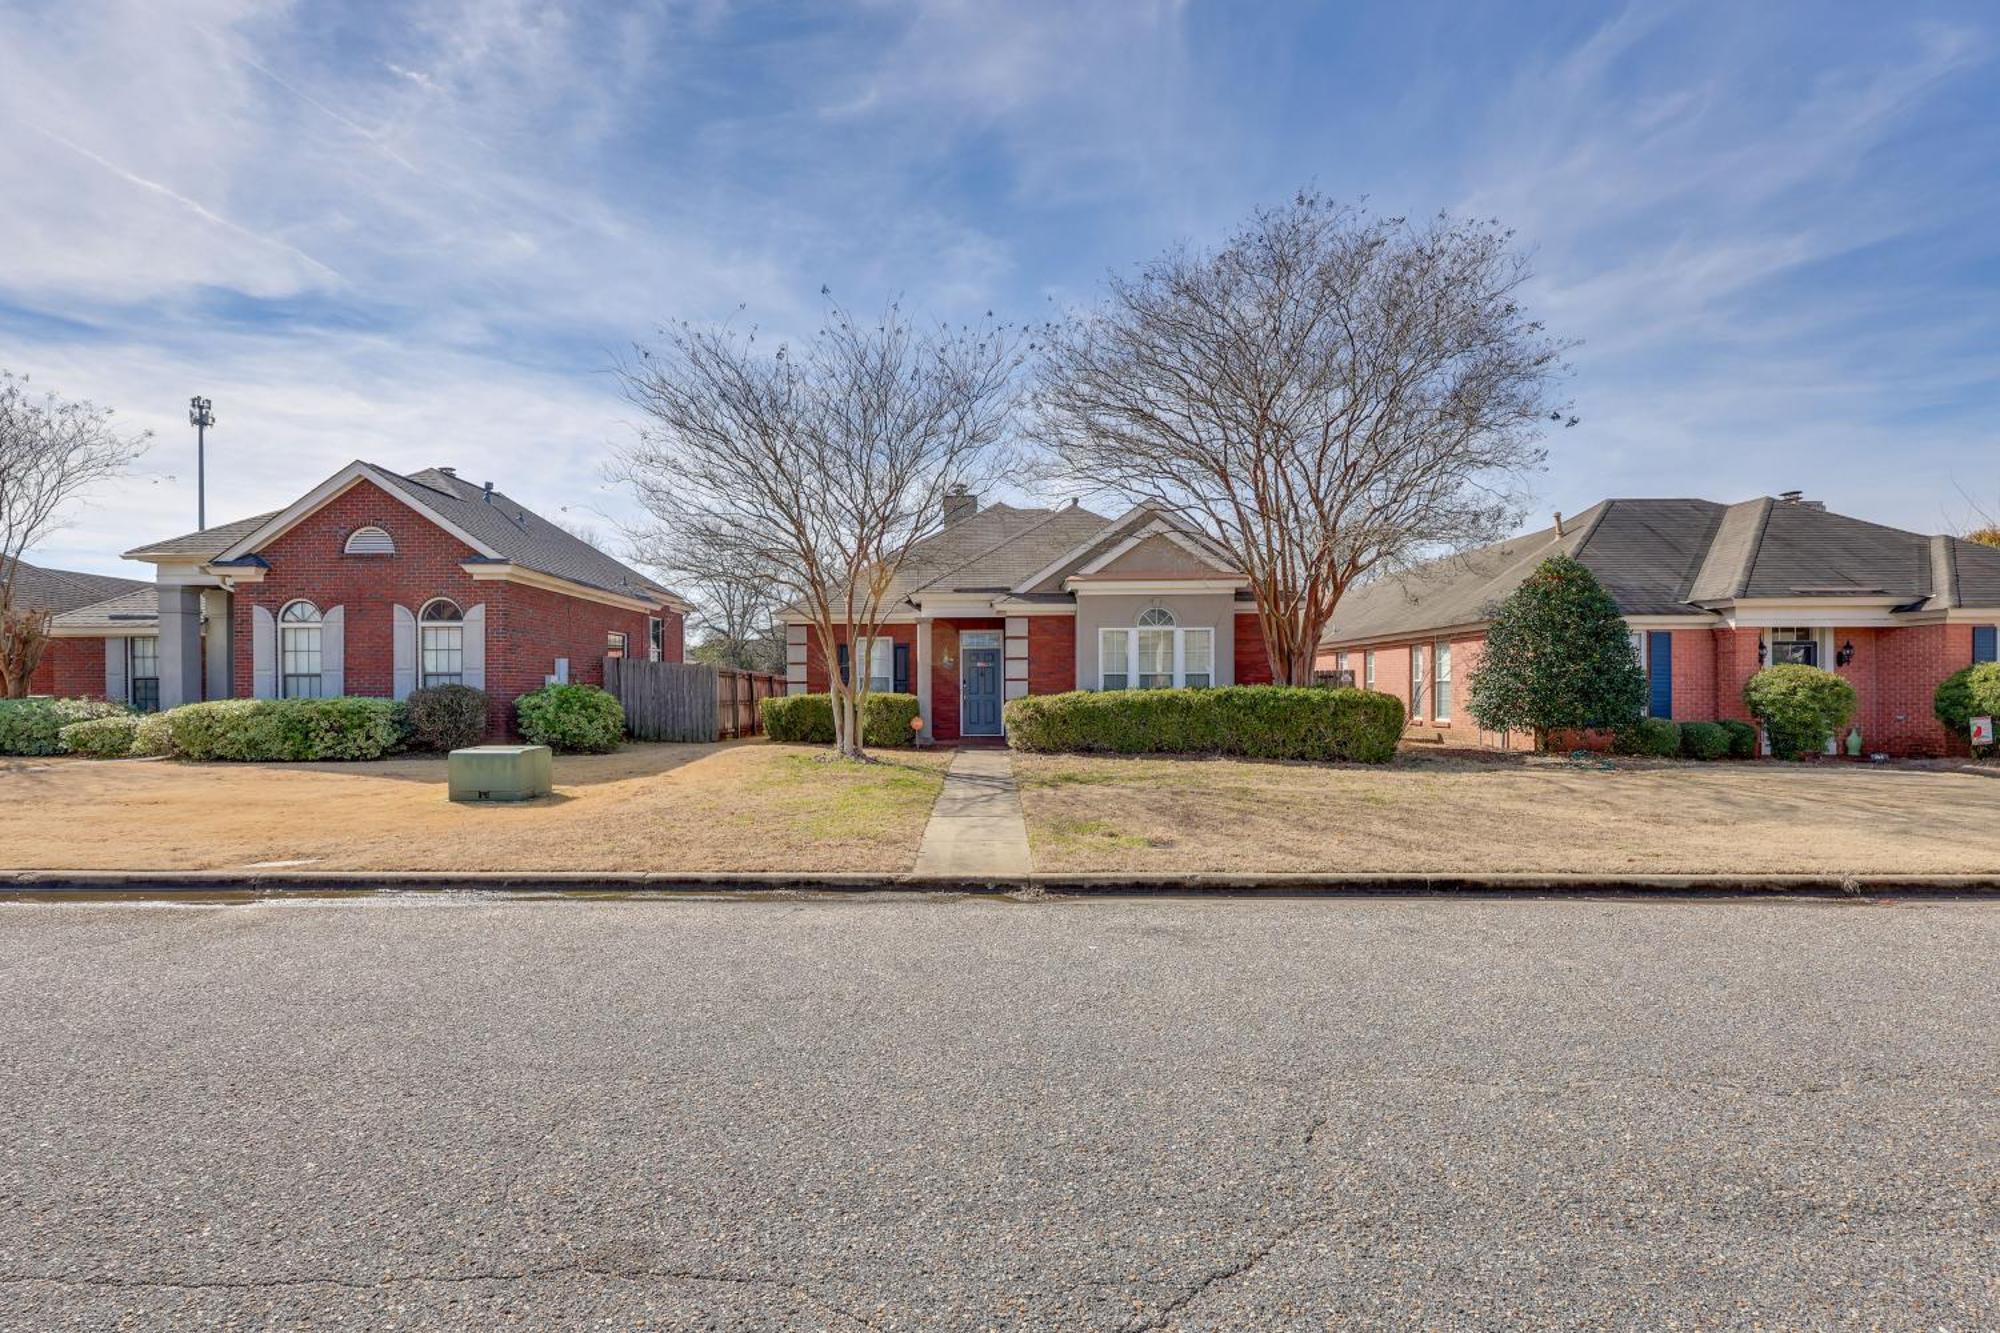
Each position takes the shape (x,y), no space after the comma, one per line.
(1683,557)
(39,588)
(991,550)
(498,527)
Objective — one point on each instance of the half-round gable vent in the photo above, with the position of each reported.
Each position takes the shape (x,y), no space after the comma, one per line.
(370,541)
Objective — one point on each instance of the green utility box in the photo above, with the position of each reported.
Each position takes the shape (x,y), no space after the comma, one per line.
(501,773)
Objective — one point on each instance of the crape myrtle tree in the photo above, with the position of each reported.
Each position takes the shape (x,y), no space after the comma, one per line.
(1329,394)
(52,449)
(819,464)
(1558,658)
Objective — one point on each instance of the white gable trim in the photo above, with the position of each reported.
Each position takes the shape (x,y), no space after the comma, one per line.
(1163,523)
(1160,528)
(1078,552)
(332,489)
(500,571)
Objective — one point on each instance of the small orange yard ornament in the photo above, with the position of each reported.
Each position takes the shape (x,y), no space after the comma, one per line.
(917,729)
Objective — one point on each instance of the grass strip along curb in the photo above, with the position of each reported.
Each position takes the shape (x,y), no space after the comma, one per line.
(169,882)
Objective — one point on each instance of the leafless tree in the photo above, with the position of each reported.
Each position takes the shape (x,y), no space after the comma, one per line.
(734,609)
(822,464)
(1329,394)
(52,449)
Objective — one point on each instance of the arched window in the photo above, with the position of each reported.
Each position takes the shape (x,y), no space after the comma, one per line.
(370,541)
(1156,654)
(441,628)
(298,650)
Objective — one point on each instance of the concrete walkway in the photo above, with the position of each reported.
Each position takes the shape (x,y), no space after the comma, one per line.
(976,826)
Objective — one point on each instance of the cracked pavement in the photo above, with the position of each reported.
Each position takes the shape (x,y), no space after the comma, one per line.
(478,1113)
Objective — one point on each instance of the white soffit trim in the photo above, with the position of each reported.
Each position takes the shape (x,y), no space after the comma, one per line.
(1014,607)
(1329,645)
(485,572)
(332,489)
(1089,587)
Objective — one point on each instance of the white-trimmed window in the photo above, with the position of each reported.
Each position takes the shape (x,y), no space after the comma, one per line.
(370,541)
(298,651)
(1416,682)
(1441,681)
(1800,645)
(616,643)
(881,664)
(1368,670)
(1155,654)
(441,633)
(656,639)
(142,680)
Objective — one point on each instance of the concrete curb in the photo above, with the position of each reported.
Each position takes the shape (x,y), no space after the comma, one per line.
(278,882)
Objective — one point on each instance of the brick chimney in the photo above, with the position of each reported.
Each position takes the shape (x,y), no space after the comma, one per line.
(959,503)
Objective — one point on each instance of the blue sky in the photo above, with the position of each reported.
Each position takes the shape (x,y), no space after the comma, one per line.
(418,233)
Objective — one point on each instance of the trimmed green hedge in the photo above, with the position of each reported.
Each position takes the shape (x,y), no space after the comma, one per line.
(101,738)
(1255,721)
(572,719)
(1964,695)
(34,726)
(807,719)
(1801,707)
(153,736)
(286,730)
(1654,736)
(1743,741)
(1704,740)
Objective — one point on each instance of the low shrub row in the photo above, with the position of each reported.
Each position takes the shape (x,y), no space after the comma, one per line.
(34,726)
(807,719)
(570,718)
(1704,741)
(1254,721)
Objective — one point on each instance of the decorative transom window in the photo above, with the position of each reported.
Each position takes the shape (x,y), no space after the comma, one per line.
(370,541)
(441,635)
(1155,654)
(299,627)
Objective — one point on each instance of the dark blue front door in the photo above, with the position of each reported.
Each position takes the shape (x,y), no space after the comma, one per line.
(980,702)
(1660,673)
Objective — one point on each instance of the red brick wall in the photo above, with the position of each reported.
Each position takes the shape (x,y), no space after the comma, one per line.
(1051,654)
(70,669)
(1909,665)
(1694,675)
(1735,659)
(816,669)
(527,628)
(1253,660)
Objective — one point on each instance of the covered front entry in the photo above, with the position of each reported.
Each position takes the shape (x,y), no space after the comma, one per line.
(979,682)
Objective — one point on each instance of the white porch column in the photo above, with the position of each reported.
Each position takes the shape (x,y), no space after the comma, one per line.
(923,668)
(180,645)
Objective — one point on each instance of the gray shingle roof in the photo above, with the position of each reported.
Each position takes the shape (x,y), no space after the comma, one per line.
(39,588)
(204,544)
(503,525)
(1668,557)
(994,549)
(129,612)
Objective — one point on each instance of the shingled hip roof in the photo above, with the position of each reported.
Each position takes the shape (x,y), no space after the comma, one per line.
(58,590)
(502,529)
(1681,557)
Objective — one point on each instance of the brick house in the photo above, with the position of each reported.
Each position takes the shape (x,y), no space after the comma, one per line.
(71,666)
(374,583)
(1004,602)
(1711,593)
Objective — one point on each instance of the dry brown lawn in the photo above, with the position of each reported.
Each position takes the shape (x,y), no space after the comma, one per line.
(1434,813)
(744,806)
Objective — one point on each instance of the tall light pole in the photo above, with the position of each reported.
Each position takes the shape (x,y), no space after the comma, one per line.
(201,415)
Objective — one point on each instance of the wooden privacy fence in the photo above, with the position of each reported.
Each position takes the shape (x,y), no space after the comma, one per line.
(685,701)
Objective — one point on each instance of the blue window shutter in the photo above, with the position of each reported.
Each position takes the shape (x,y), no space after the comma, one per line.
(1984,645)
(902,682)
(1660,672)
(842,650)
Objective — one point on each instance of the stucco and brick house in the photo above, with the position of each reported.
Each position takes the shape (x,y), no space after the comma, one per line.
(375,583)
(1004,602)
(1711,593)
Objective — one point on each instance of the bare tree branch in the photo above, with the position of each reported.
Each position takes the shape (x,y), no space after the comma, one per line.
(817,467)
(52,449)
(1328,395)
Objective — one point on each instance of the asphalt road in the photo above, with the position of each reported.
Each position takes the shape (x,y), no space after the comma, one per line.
(972,1115)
